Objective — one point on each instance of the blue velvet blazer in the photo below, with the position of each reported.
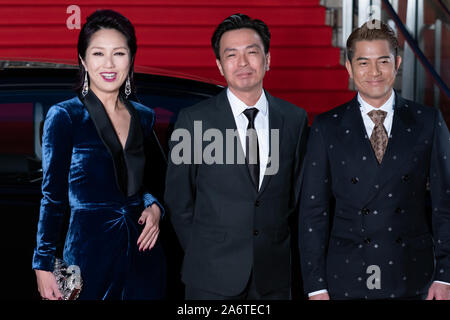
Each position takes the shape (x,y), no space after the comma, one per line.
(86,168)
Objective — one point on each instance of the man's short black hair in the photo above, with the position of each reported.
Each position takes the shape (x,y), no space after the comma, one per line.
(369,31)
(240,21)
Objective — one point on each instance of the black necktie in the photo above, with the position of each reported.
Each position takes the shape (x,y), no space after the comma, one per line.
(251,146)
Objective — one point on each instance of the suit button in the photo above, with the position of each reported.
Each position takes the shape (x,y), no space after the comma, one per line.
(257,203)
(405,178)
(399,240)
(367,241)
(355,180)
(365,211)
(255,232)
(398,210)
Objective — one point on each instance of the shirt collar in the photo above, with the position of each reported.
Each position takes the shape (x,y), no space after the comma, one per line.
(388,106)
(238,106)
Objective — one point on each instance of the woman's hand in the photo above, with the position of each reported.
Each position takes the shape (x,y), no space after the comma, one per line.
(150,216)
(47,285)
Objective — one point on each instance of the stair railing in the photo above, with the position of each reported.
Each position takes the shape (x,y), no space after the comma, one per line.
(416,65)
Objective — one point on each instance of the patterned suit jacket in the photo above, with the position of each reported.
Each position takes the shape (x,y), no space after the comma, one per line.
(357,214)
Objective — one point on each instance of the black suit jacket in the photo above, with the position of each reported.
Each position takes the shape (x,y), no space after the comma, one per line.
(224,225)
(356,213)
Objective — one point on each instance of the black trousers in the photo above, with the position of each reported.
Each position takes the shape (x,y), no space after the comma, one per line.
(250,293)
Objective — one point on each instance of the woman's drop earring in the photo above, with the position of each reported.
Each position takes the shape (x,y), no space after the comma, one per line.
(85,85)
(127,87)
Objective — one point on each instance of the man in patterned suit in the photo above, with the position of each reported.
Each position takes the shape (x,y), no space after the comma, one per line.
(365,228)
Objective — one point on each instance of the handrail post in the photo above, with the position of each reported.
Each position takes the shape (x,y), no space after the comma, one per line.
(347,20)
(437,58)
(420,71)
(408,69)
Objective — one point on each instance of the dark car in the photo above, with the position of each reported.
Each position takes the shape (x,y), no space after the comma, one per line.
(27,91)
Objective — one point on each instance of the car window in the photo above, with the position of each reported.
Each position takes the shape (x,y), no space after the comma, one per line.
(166,108)
(22,115)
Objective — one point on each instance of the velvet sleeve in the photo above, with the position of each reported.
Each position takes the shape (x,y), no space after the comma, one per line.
(56,157)
(150,200)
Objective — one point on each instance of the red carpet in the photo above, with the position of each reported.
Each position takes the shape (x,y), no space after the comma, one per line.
(175,35)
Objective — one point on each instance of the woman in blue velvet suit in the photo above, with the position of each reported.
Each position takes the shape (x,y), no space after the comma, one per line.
(93,159)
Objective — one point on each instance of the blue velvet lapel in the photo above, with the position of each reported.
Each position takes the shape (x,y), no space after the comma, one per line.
(129,162)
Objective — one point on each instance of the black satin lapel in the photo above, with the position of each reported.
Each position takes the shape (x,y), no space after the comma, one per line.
(225,120)
(107,134)
(128,163)
(134,153)
(275,122)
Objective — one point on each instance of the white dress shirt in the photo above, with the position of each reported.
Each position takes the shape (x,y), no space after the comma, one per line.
(261,127)
(388,106)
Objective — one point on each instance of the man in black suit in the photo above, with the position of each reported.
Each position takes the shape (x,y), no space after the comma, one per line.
(230,207)
(365,231)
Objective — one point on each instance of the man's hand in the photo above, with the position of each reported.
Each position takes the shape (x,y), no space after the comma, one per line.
(320,296)
(150,216)
(439,291)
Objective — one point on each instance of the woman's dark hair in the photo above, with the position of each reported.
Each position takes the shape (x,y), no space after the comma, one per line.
(106,19)
(240,21)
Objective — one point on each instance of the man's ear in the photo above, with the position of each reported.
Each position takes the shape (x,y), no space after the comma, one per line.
(219,65)
(398,62)
(348,65)
(268,61)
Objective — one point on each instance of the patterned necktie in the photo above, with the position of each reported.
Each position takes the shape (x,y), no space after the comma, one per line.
(251,146)
(379,138)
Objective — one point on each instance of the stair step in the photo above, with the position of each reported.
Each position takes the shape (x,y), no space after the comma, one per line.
(160,36)
(162,15)
(283,79)
(306,79)
(315,101)
(168,59)
(175,35)
(199,57)
(167,3)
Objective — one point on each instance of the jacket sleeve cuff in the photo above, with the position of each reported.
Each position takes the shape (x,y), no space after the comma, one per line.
(150,200)
(44,262)
(442,282)
(317,292)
